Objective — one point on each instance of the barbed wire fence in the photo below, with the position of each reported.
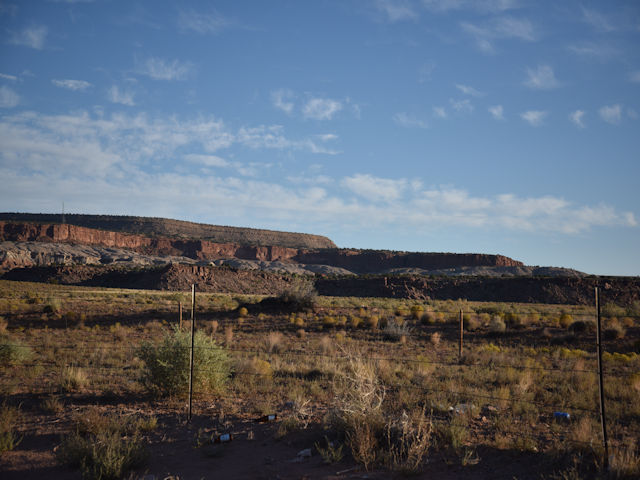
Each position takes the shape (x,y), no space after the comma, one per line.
(561,432)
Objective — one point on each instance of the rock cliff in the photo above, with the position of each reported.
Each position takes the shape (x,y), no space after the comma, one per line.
(357,261)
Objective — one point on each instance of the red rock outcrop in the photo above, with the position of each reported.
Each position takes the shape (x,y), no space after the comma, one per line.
(358,261)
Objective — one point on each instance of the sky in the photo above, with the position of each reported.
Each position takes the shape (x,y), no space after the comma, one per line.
(486,126)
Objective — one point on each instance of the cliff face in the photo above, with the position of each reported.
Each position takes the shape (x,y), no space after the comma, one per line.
(359,261)
(164,227)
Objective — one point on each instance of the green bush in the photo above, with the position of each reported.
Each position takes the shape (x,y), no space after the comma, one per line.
(13,352)
(8,437)
(166,369)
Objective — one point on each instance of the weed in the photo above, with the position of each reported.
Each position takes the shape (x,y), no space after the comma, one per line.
(273,342)
(497,325)
(330,454)
(13,352)
(8,437)
(52,404)
(396,331)
(73,379)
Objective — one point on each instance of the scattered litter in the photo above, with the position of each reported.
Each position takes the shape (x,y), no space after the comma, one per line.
(462,408)
(224,438)
(267,418)
(562,416)
(306,453)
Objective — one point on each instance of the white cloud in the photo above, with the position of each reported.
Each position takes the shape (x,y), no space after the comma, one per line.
(439,112)
(597,20)
(206,160)
(283,100)
(425,72)
(33,37)
(631,113)
(202,23)
(482,6)
(8,98)
(160,69)
(4,76)
(611,113)
(497,112)
(71,84)
(541,78)
(534,117)
(467,90)
(409,121)
(321,108)
(499,28)
(594,50)
(396,10)
(461,106)
(577,118)
(375,188)
(122,97)
(635,76)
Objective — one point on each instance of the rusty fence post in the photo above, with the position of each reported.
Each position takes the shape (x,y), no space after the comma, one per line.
(193,324)
(603,418)
(180,315)
(461,336)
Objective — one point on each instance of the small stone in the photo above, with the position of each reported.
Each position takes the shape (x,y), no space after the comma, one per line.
(306,453)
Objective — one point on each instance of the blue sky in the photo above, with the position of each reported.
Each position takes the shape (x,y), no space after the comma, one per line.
(496,126)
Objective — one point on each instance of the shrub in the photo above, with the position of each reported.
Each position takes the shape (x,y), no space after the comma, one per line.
(243,312)
(497,325)
(166,369)
(565,320)
(300,295)
(582,326)
(329,321)
(3,326)
(273,342)
(355,321)
(470,322)
(106,452)
(372,322)
(613,332)
(52,306)
(73,379)
(254,368)
(428,318)
(8,437)
(13,352)
(396,331)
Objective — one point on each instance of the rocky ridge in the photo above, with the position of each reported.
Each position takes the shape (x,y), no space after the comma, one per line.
(347,260)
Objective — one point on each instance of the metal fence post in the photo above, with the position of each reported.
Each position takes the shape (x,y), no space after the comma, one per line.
(603,418)
(180,315)
(193,324)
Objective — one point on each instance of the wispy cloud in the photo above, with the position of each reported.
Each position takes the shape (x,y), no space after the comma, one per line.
(375,188)
(467,90)
(71,84)
(461,106)
(33,37)
(541,78)
(497,112)
(577,118)
(8,98)
(4,76)
(611,113)
(597,20)
(482,6)
(425,71)
(499,28)
(534,118)
(321,108)
(115,95)
(202,23)
(283,100)
(439,112)
(597,51)
(161,69)
(409,121)
(396,10)
(207,160)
